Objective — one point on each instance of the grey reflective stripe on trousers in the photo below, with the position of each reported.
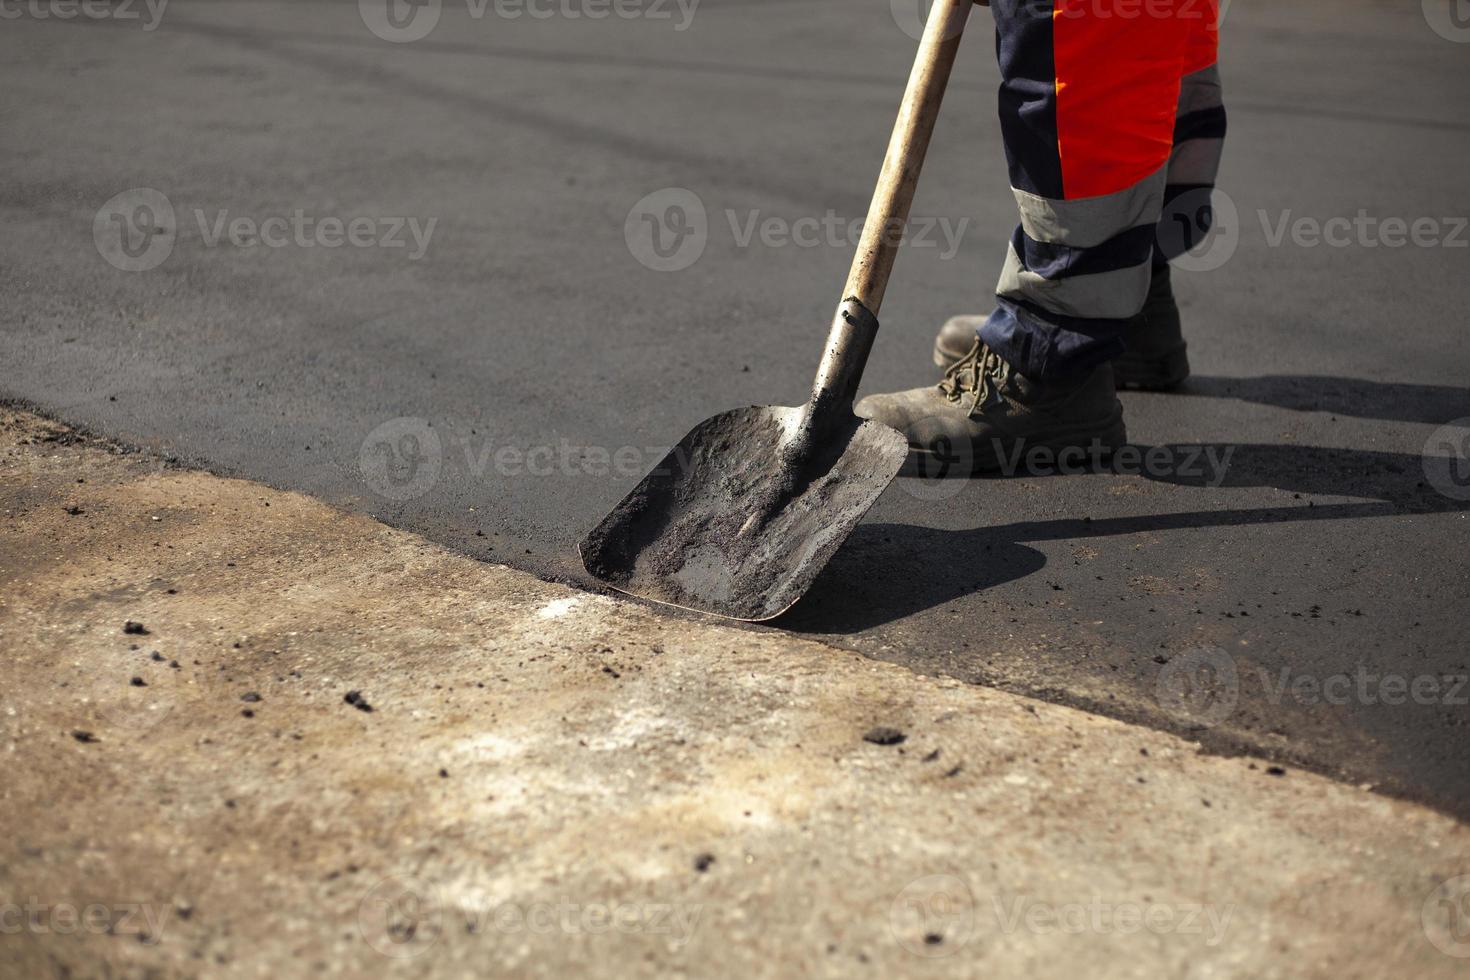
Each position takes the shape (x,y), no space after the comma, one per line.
(1113,295)
(1201,90)
(1197,161)
(1088,222)
(1085,223)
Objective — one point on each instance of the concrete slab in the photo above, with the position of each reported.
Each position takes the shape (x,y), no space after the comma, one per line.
(325,745)
(552,365)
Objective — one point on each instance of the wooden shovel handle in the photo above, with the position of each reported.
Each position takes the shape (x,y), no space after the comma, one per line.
(867,281)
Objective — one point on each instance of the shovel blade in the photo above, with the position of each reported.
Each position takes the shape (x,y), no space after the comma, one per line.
(728,524)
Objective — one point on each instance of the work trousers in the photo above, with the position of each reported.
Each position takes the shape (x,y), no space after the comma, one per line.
(1113,123)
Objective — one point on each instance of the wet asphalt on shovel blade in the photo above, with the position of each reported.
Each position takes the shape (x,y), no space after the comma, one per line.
(729,524)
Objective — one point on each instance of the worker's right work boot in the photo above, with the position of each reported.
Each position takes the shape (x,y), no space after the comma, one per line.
(1155,357)
(985,416)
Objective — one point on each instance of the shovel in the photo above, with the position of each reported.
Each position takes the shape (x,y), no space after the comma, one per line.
(741,515)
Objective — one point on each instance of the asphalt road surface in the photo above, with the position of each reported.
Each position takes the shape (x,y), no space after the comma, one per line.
(419,278)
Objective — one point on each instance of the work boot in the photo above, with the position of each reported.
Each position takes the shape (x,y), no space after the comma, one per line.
(984,415)
(1154,358)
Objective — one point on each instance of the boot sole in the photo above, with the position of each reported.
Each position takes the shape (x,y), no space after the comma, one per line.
(1101,439)
(1141,372)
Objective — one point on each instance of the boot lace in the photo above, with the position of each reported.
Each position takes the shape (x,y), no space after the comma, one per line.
(975,378)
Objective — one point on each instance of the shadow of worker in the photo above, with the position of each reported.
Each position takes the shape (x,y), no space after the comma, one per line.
(888,571)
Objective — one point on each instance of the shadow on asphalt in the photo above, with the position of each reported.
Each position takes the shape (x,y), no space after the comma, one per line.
(928,563)
(900,570)
(1350,397)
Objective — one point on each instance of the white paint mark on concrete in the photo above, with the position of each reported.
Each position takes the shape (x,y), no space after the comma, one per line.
(557,608)
(490,747)
(635,725)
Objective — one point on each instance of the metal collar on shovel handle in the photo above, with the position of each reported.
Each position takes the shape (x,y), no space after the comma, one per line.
(742,514)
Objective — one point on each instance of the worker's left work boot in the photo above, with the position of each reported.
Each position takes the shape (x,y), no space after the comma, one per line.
(984,415)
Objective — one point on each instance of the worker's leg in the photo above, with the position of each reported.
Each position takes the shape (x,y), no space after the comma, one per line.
(1199,139)
(1089,94)
(1088,103)
(1156,356)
